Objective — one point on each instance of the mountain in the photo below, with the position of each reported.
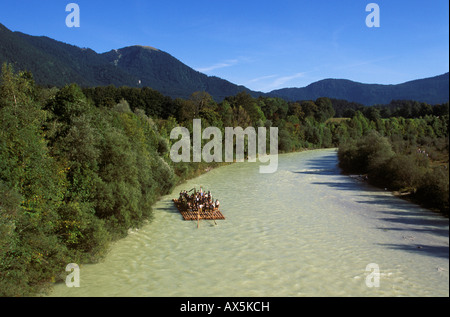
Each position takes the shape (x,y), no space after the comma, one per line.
(55,63)
(432,90)
(161,71)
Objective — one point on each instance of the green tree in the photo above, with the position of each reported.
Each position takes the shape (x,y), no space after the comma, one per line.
(309,108)
(433,190)
(31,190)
(325,109)
(368,154)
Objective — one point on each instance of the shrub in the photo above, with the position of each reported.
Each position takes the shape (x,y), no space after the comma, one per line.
(367,155)
(403,172)
(433,190)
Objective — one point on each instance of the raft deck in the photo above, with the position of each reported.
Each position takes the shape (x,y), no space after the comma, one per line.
(190,215)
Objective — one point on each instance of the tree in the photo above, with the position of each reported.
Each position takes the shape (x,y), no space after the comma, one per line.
(31,190)
(372,114)
(433,190)
(403,173)
(226,112)
(296,110)
(425,109)
(309,108)
(200,99)
(285,143)
(368,154)
(241,118)
(325,109)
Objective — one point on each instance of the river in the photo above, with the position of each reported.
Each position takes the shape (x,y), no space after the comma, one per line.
(305,230)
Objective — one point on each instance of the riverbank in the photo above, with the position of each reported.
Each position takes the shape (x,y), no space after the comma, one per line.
(276,240)
(206,174)
(397,166)
(407,195)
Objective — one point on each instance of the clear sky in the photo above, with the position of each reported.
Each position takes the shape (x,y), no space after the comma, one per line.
(261,44)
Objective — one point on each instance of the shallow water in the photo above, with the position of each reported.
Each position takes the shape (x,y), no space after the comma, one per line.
(305,230)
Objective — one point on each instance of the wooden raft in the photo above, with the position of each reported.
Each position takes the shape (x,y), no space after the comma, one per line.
(190,215)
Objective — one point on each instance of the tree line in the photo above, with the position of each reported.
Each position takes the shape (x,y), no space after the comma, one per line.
(73,178)
(80,167)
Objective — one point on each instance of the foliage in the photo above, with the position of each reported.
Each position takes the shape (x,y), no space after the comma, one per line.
(402,164)
(73,177)
(80,167)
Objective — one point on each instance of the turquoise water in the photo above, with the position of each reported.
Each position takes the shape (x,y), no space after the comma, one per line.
(305,230)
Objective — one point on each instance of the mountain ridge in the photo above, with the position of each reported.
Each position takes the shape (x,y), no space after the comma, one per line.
(54,63)
(432,90)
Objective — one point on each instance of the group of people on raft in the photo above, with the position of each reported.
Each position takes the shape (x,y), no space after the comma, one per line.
(198,200)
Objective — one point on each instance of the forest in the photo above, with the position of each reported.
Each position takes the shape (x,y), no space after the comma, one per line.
(79,167)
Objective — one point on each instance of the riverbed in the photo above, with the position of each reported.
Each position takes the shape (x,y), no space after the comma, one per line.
(306,230)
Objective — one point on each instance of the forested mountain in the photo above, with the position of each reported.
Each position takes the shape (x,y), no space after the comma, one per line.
(54,63)
(432,90)
(164,73)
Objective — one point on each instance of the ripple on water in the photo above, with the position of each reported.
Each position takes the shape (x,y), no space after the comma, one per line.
(303,231)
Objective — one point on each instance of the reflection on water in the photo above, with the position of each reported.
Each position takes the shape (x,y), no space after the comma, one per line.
(305,230)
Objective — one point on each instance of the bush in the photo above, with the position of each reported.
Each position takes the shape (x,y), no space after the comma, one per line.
(402,173)
(367,155)
(285,143)
(406,170)
(350,159)
(433,190)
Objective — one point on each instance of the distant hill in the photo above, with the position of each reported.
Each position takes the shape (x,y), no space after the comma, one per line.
(161,71)
(432,90)
(54,63)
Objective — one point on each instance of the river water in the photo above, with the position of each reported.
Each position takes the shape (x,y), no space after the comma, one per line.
(305,230)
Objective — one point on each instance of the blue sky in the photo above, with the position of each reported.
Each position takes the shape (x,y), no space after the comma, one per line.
(262,44)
